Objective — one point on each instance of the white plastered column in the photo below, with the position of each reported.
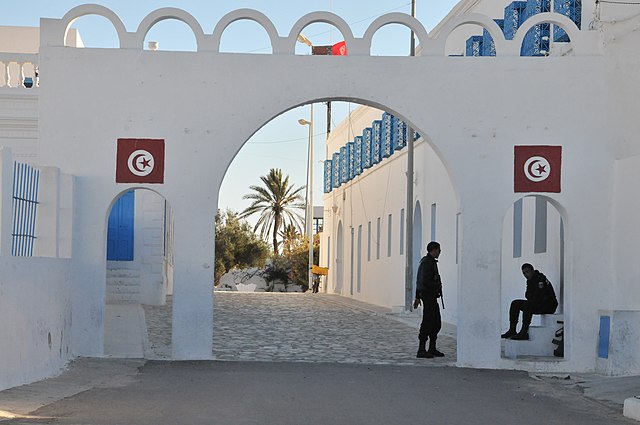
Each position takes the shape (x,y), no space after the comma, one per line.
(88,274)
(192,330)
(479,283)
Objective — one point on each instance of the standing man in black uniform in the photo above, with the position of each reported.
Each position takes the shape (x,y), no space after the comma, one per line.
(540,299)
(428,289)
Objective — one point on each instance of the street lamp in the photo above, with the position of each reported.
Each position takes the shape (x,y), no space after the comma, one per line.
(309,214)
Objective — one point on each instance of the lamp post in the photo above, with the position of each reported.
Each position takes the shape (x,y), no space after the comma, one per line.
(309,214)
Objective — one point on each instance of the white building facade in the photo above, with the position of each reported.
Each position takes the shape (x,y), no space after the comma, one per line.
(583,101)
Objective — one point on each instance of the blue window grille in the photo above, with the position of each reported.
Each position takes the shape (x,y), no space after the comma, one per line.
(351,153)
(120,230)
(572,9)
(358,161)
(335,165)
(367,148)
(474,46)
(25,202)
(328,173)
(388,130)
(536,41)
(513,18)
(488,46)
(401,135)
(344,161)
(376,155)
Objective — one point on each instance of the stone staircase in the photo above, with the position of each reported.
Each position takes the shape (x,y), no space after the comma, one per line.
(123,286)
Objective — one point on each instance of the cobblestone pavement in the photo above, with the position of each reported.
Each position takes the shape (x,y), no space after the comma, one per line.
(301,327)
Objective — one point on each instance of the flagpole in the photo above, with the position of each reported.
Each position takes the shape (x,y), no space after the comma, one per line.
(408,274)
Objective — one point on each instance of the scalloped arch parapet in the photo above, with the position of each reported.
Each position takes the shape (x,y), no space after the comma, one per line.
(355,48)
(396,18)
(245,14)
(53,31)
(163,14)
(93,9)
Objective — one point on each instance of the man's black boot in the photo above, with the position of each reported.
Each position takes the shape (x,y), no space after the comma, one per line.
(511,332)
(422,351)
(523,335)
(432,349)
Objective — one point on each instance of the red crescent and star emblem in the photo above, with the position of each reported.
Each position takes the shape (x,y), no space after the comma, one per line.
(537,168)
(140,161)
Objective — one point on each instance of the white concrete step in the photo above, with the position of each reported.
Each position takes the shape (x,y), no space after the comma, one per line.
(123,286)
(540,341)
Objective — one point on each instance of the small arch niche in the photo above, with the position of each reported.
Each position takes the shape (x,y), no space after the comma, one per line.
(546,39)
(92,31)
(171,35)
(384,41)
(470,40)
(245,36)
(318,39)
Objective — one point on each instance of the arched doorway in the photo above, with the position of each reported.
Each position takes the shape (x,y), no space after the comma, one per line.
(533,232)
(139,269)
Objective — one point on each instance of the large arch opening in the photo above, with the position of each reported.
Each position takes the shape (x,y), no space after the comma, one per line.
(139,275)
(360,219)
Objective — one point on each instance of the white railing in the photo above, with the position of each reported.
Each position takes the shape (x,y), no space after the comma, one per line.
(19,70)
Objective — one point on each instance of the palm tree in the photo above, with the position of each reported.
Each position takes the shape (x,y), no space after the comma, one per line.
(276,203)
(290,236)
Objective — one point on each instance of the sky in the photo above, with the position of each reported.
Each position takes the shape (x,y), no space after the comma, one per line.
(281,143)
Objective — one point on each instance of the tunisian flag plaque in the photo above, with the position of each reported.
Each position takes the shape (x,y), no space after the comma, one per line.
(537,168)
(140,161)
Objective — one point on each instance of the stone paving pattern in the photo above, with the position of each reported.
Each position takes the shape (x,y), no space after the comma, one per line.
(300,327)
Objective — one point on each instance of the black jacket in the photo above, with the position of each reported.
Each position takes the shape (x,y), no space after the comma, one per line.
(428,283)
(540,293)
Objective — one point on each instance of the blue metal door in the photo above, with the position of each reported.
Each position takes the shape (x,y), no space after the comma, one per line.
(120,229)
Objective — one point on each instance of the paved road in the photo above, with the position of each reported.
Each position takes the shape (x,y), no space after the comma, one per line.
(301,327)
(301,359)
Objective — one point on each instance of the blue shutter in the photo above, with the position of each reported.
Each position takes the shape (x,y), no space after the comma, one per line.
(366,147)
(328,173)
(376,156)
(120,229)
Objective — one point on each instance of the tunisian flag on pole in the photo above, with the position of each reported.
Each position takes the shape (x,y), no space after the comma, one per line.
(339,49)
(140,161)
(537,168)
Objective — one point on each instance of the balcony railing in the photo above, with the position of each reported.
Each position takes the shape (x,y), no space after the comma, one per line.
(19,71)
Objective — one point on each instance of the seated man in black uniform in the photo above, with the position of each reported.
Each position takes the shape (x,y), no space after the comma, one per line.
(540,299)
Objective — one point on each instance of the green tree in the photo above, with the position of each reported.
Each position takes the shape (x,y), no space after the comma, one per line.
(299,260)
(276,202)
(237,246)
(290,237)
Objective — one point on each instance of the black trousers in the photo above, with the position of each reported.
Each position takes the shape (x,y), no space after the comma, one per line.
(431,321)
(528,309)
